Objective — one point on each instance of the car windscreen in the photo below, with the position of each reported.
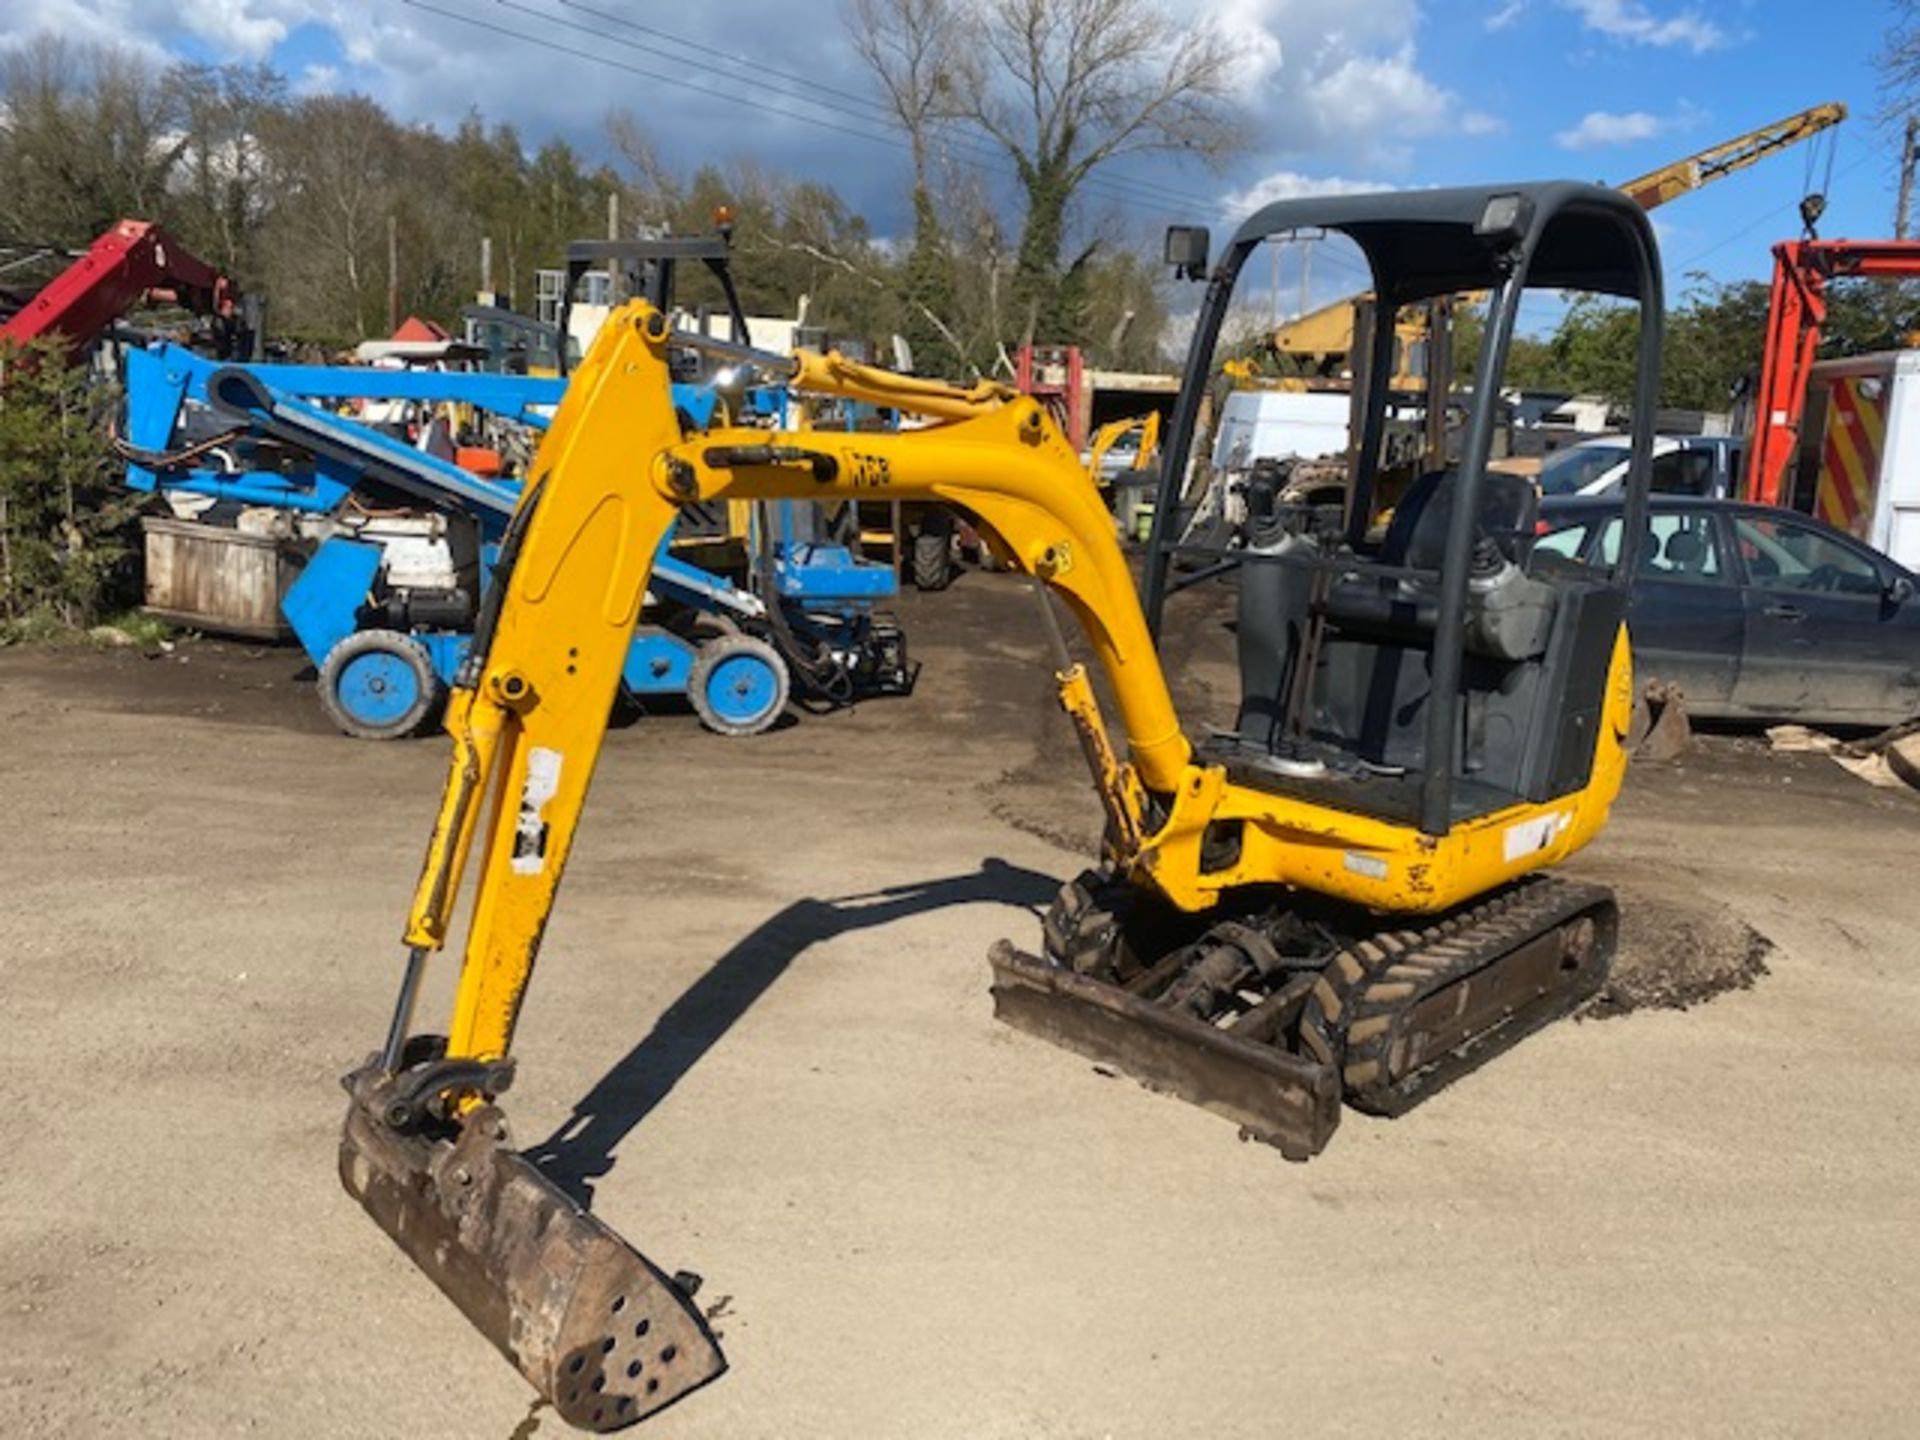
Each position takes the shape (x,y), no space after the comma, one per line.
(1566,538)
(1781,554)
(1573,469)
(1683,472)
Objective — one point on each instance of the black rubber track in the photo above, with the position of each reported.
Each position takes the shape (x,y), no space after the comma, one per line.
(1358,1010)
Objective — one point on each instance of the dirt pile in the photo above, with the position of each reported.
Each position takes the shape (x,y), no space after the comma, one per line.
(1675,954)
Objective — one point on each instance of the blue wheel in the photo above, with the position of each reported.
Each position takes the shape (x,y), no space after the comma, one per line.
(738,685)
(379,685)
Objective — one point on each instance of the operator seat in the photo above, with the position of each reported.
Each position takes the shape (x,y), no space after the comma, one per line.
(1417,534)
(1372,669)
(1508,612)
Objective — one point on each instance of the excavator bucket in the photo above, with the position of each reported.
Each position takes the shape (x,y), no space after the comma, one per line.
(1289,1101)
(599,1331)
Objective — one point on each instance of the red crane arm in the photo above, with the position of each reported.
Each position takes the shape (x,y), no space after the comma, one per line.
(1801,270)
(134,258)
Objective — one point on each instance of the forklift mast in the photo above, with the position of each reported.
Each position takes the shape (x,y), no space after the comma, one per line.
(646,268)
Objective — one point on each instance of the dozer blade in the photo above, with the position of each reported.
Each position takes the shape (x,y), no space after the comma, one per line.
(1276,1096)
(600,1332)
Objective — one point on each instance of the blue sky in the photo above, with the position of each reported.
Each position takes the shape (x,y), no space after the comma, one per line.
(1338,93)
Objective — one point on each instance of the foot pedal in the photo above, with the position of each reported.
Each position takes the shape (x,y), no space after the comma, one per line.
(1287,1100)
(598,1330)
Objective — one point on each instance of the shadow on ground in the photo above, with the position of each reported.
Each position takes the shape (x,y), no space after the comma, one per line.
(581,1151)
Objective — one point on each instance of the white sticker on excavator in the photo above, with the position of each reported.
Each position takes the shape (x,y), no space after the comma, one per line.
(530,834)
(1530,836)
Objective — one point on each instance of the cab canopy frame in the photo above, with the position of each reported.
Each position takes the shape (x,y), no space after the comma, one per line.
(1420,245)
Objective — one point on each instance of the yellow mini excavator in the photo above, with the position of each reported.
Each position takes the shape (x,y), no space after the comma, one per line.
(1339,898)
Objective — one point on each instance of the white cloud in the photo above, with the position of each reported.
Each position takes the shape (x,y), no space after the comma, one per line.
(318,80)
(1632,22)
(1258,50)
(1478,122)
(1602,127)
(1337,82)
(1292,185)
(247,28)
(1508,13)
(1383,94)
(232,29)
(360,47)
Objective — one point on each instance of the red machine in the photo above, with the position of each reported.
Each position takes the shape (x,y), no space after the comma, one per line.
(1055,375)
(1801,270)
(135,258)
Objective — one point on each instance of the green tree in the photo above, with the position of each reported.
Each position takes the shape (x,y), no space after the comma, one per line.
(1124,312)
(926,292)
(490,188)
(64,516)
(1868,315)
(1713,343)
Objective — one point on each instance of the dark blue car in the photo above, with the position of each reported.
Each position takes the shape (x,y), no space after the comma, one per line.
(1757,613)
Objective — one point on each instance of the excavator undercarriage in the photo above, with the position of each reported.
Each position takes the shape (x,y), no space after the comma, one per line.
(1272,1018)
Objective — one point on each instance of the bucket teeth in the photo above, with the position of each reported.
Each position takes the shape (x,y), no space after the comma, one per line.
(597,1328)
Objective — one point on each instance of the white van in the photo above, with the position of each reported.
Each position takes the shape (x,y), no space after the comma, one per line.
(1707,466)
(1280,424)
(1858,466)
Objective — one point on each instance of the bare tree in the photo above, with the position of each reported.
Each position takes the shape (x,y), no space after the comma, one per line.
(650,190)
(912,48)
(1075,84)
(1899,65)
(1899,62)
(219,194)
(87,134)
(336,175)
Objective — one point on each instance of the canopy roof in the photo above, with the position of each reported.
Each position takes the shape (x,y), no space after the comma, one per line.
(1422,243)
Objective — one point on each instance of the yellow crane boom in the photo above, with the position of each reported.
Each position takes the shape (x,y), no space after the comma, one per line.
(1327,333)
(1682,177)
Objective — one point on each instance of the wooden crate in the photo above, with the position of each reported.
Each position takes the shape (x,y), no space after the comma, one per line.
(216,578)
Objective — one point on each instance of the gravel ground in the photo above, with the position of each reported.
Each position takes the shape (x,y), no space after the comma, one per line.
(761,1036)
